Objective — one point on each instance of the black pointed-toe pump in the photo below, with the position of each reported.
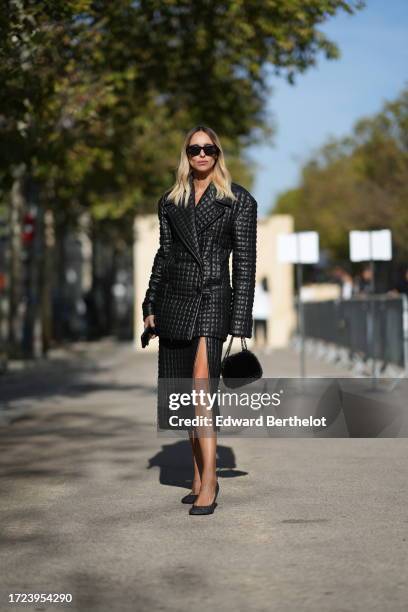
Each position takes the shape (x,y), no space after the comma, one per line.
(206,509)
(189,498)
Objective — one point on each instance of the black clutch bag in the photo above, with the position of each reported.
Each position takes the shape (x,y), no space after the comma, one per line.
(241,368)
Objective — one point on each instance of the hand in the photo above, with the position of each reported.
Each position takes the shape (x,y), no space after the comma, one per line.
(150,320)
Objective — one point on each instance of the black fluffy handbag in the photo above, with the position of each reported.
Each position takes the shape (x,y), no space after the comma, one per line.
(241,368)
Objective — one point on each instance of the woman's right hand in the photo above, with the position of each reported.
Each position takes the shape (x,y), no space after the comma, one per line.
(149,320)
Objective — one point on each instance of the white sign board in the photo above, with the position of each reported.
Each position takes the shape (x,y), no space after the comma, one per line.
(359,246)
(299,247)
(366,246)
(382,245)
(287,252)
(309,247)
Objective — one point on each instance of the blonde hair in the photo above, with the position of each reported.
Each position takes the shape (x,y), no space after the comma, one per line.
(181,190)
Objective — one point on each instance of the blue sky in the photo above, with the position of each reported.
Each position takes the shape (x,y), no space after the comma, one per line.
(330,97)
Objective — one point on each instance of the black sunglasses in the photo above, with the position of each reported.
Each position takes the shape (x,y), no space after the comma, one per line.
(209,149)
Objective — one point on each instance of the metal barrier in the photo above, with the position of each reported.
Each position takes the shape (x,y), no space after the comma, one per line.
(373,327)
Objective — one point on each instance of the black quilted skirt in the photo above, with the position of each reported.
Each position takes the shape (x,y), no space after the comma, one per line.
(175,369)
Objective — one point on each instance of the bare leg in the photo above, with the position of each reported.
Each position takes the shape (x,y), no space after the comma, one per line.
(206,436)
(195,447)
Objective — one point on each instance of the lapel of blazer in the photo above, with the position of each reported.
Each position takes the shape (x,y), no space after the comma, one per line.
(209,208)
(189,221)
(183,220)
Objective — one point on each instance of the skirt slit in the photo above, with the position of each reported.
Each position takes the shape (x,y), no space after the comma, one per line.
(176,359)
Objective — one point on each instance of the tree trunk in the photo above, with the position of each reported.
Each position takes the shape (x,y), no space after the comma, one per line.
(15,266)
(47,282)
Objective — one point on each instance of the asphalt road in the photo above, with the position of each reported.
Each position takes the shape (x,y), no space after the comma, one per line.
(90,503)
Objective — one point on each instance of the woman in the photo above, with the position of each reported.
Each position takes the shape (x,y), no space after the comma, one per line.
(189,298)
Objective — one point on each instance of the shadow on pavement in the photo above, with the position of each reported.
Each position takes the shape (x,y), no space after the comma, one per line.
(67,444)
(68,377)
(176,464)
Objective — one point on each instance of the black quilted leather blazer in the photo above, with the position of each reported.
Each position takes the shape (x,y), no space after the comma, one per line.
(190,276)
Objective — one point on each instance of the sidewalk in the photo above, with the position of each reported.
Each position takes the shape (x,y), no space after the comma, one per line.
(25,387)
(90,503)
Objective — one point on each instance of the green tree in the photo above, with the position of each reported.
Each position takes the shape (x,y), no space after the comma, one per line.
(96,95)
(357,182)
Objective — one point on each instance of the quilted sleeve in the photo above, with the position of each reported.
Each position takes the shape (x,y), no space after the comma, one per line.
(243,268)
(156,275)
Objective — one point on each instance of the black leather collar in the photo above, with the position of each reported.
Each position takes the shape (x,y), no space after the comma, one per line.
(191,220)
